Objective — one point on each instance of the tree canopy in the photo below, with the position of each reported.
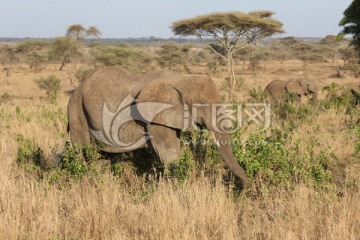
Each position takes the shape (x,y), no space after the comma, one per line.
(79,32)
(231,31)
(351,23)
(63,49)
(238,25)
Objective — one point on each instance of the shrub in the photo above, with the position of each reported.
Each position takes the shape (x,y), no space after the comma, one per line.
(81,74)
(258,94)
(170,55)
(63,50)
(213,68)
(269,161)
(284,110)
(129,58)
(77,162)
(338,96)
(292,111)
(34,53)
(122,168)
(356,129)
(29,155)
(5,96)
(182,168)
(354,66)
(73,163)
(357,149)
(52,86)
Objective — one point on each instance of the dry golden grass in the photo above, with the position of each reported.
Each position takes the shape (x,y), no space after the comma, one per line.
(111,208)
(164,210)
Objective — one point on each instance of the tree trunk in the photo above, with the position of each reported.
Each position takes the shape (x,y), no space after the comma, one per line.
(63,64)
(233,85)
(231,77)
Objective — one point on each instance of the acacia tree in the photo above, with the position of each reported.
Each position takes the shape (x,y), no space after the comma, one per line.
(63,49)
(34,53)
(351,24)
(172,54)
(79,33)
(232,31)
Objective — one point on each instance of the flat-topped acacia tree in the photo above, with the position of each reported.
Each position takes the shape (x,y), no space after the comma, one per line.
(78,32)
(231,31)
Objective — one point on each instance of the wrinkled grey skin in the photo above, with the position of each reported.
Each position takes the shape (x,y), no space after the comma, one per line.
(276,89)
(111,85)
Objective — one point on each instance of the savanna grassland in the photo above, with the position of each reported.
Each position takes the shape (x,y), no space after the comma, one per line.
(304,170)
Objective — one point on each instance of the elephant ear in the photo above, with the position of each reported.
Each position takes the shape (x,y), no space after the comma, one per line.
(162,104)
(294,86)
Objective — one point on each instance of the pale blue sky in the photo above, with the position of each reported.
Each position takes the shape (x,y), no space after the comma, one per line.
(141,18)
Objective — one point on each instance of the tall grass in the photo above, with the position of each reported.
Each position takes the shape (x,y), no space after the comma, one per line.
(49,203)
(166,210)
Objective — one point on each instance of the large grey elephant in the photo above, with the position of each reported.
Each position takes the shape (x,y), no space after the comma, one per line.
(125,113)
(277,89)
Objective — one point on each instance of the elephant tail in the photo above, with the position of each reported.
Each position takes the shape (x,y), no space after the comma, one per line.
(68,127)
(68,118)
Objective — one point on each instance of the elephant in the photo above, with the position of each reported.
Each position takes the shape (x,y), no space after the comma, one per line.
(277,89)
(125,112)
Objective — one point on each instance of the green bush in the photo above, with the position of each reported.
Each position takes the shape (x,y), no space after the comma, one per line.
(270,161)
(29,155)
(122,168)
(129,58)
(290,108)
(182,168)
(213,68)
(258,94)
(355,129)
(284,110)
(77,162)
(291,97)
(291,114)
(34,53)
(203,156)
(5,96)
(357,149)
(338,96)
(170,55)
(81,74)
(52,86)
(73,163)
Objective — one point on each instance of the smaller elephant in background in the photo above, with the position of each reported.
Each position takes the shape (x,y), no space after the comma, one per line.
(276,90)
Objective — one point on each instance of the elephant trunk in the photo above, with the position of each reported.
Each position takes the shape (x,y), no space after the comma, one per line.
(223,144)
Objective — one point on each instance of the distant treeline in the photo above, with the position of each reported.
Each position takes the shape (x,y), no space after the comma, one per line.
(144,40)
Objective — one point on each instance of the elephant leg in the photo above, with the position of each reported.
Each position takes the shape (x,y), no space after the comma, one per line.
(79,128)
(166,143)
